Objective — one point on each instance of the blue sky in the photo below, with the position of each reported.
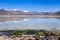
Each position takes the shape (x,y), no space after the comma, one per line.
(31,5)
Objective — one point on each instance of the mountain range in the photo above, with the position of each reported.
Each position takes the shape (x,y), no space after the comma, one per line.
(22,12)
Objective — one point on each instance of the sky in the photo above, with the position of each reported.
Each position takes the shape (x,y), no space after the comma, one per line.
(31,5)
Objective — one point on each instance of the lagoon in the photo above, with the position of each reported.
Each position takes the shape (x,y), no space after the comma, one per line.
(29,23)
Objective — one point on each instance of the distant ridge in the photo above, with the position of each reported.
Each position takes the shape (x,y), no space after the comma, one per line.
(24,12)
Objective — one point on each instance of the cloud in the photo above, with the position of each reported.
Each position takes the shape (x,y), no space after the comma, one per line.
(15,9)
(25,11)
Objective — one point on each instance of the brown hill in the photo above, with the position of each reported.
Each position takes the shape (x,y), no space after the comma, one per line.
(19,12)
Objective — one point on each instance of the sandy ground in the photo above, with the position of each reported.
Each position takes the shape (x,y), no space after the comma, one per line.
(25,38)
(28,16)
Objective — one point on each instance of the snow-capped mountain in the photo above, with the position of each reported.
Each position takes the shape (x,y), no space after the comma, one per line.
(24,12)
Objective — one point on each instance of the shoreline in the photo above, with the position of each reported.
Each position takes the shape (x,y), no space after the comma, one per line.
(29,16)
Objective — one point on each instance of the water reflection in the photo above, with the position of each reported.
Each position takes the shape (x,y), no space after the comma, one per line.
(3,19)
(30,23)
(57,17)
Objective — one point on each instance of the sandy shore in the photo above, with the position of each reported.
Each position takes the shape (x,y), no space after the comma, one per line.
(28,16)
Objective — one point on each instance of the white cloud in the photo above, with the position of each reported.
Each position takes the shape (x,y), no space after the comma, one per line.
(6,9)
(15,9)
(40,11)
(25,11)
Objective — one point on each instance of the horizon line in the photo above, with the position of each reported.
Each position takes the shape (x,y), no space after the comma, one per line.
(16,9)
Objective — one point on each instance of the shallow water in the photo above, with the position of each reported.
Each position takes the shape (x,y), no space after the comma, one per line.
(30,23)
